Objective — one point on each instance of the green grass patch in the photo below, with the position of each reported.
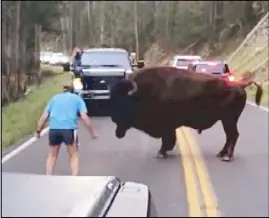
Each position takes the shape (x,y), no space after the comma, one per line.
(20,118)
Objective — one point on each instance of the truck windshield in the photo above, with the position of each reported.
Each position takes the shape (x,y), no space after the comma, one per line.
(206,68)
(184,62)
(105,59)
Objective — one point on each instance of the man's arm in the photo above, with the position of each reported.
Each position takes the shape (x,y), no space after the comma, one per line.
(86,120)
(42,121)
(44,118)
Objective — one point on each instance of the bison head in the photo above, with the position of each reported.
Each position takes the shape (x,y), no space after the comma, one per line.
(124,106)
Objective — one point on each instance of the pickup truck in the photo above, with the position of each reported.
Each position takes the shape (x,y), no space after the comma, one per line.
(183,61)
(98,70)
(32,195)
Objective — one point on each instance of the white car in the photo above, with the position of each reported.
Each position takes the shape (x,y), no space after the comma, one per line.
(45,57)
(183,61)
(59,59)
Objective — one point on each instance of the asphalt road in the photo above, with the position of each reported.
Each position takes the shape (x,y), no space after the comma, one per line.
(184,184)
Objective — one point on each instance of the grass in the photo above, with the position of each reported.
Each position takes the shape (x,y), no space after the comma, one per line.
(20,118)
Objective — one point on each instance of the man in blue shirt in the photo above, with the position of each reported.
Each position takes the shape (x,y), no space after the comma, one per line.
(63,112)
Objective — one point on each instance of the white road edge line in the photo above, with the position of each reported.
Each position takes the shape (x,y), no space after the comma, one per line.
(21,147)
(33,139)
(258,107)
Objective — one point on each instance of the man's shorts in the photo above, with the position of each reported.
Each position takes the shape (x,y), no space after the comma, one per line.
(59,136)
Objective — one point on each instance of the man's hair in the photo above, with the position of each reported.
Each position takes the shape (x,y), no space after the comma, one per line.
(68,87)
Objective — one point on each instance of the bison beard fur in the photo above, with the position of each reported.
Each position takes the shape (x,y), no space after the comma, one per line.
(158,100)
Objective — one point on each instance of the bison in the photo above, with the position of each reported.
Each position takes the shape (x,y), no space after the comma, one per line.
(158,100)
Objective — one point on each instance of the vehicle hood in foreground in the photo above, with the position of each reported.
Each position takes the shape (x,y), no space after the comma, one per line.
(31,195)
(28,195)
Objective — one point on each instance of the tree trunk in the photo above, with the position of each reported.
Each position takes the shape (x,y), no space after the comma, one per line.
(219,16)
(23,75)
(136,31)
(17,50)
(212,25)
(155,17)
(102,20)
(173,21)
(64,31)
(92,23)
(4,56)
(36,59)
(71,41)
(249,18)
(81,32)
(89,14)
(167,22)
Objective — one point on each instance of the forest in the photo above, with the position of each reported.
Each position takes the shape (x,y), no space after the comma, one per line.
(31,26)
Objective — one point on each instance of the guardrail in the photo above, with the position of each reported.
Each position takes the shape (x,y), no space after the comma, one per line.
(263,21)
(251,56)
(247,54)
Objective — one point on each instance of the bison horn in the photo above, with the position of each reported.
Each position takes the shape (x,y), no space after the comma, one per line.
(134,90)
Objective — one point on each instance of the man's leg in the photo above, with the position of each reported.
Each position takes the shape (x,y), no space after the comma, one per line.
(70,140)
(77,141)
(55,140)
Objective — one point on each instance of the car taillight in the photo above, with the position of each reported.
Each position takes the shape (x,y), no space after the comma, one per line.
(231,78)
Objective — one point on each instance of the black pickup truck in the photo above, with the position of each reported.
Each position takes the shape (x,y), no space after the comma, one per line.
(100,68)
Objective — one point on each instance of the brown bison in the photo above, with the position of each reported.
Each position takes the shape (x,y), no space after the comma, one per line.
(158,100)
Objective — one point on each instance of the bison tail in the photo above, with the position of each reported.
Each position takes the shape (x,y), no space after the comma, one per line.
(259,93)
(247,80)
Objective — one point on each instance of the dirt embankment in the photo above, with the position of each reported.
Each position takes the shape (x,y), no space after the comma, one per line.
(249,54)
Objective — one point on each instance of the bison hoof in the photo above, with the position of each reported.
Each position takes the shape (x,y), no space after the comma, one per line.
(199,131)
(120,134)
(221,154)
(226,158)
(161,155)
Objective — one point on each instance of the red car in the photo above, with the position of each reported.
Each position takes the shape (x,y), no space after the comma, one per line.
(218,68)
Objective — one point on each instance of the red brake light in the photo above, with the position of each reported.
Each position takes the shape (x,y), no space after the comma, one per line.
(231,78)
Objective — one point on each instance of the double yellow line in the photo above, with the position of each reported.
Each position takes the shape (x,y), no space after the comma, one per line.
(200,194)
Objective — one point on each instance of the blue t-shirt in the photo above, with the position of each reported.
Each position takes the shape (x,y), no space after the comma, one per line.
(63,110)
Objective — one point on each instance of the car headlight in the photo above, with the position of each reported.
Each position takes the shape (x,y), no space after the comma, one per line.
(77,84)
(128,71)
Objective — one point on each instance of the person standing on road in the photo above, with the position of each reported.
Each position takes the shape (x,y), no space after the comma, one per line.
(76,56)
(63,112)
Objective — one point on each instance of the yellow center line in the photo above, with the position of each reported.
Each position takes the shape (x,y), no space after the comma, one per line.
(210,200)
(190,183)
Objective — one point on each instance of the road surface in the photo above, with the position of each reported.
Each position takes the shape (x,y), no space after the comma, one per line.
(239,188)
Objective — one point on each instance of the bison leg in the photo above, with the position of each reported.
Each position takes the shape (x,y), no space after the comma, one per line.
(120,132)
(230,128)
(168,143)
(199,131)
